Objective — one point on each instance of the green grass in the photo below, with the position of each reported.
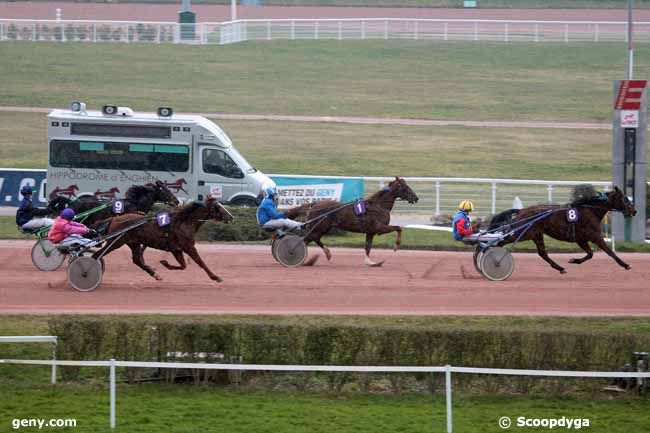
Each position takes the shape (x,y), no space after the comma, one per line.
(180,409)
(407,79)
(379,150)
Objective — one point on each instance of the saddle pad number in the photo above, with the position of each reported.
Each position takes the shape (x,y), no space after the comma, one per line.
(359,207)
(572,215)
(118,206)
(163,219)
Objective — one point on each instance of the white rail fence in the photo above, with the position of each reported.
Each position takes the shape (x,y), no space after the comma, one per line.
(316,29)
(440,195)
(447,370)
(36,339)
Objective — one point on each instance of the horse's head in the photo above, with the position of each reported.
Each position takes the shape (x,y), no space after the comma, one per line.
(401,190)
(57,204)
(216,211)
(616,200)
(162,194)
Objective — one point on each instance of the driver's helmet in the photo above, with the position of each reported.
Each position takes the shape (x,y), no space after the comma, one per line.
(27,189)
(466,205)
(67,213)
(270,191)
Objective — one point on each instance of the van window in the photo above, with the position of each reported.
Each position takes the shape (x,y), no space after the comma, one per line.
(119,156)
(217,161)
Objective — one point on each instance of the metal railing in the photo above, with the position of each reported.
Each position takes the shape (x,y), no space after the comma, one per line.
(441,195)
(316,29)
(36,339)
(447,370)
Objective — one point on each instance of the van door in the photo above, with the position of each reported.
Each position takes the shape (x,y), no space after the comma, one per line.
(219,175)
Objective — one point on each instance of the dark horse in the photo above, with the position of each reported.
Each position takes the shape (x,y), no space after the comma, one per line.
(586,229)
(374,222)
(177,237)
(138,198)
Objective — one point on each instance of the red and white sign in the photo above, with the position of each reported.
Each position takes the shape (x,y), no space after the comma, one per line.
(629,119)
(629,95)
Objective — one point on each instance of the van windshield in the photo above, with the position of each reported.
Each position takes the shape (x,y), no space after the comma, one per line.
(244,165)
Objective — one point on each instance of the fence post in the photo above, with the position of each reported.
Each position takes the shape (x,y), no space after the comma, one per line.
(363,29)
(53,365)
(316,30)
(550,193)
(475,31)
(268,30)
(596,33)
(494,197)
(293,30)
(34,32)
(94,32)
(566,33)
(448,397)
(386,29)
(536,32)
(340,30)
(112,392)
(415,31)
(438,197)
(506,33)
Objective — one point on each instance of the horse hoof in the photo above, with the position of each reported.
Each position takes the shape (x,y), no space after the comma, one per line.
(217,279)
(157,277)
(562,271)
(328,255)
(628,267)
(374,264)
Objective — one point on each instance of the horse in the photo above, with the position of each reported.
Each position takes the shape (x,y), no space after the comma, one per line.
(137,199)
(587,228)
(176,237)
(375,221)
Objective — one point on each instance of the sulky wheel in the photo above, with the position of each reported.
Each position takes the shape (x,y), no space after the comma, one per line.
(291,251)
(274,247)
(85,274)
(497,264)
(46,256)
(478,253)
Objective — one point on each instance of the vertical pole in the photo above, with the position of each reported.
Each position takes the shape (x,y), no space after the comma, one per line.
(494,198)
(293,30)
(54,365)
(386,29)
(363,30)
(415,31)
(340,30)
(476,31)
(536,32)
(448,397)
(446,31)
(95,32)
(506,33)
(566,33)
(550,193)
(112,392)
(233,10)
(630,49)
(596,33)
(268,30)
(316,30)
(34,32)
(437,197)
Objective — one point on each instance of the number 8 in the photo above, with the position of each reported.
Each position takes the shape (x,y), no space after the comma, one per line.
(572,214)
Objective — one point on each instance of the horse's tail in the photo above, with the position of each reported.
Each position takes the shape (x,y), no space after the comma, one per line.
(503,218)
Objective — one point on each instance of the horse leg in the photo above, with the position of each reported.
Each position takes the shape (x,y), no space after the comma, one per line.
(585,246)
(398,240)
(600,242)
(367,261)
(541,250)
(178,255)
(194,254)
(326,250)
(138,258)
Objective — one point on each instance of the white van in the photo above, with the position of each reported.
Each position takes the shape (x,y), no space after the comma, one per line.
(103,153)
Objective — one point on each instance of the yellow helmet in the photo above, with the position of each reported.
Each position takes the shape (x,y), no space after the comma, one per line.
(466,205)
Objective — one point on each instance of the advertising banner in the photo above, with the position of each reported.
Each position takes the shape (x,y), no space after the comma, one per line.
(12,180)
(296,190)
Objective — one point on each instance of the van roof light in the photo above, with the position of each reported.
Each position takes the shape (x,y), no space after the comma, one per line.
(114,110)
(78,107)
(165,111)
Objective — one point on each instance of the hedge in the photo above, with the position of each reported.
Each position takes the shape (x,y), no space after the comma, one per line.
(220,340)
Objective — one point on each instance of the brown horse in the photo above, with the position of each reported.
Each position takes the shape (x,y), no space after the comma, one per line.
(176,237)
(587,228)
(375,221)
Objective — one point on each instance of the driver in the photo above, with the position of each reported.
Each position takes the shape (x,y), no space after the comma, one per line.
(26,212)
(66,232)
(462,225)
(269,217)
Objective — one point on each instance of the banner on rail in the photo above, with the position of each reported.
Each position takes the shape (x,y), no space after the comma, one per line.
(12,180)
(295,190)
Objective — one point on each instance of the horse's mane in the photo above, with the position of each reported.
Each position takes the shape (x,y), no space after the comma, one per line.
(376,196)
(184,212)
(137,191)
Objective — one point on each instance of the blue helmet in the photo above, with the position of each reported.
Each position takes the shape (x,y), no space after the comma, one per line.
(67,213)
(270,191)
(26,189)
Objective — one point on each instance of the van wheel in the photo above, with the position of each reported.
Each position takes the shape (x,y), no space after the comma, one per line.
(244,202)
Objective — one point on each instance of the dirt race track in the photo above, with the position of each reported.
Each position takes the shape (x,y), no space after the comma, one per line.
(410,282)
